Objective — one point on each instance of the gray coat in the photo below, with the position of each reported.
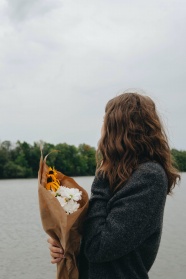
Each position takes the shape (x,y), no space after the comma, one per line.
(122,231)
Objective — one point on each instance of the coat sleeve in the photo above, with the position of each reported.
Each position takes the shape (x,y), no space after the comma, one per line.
(135,212)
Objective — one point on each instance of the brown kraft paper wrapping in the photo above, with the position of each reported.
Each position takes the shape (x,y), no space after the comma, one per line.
(64,228)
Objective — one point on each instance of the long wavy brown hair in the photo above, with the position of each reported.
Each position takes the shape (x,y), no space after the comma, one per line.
(132,133)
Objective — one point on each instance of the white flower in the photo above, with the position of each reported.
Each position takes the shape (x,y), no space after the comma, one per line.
(68,198)
(69,193)
(60,191)
(62,200)
(71,206)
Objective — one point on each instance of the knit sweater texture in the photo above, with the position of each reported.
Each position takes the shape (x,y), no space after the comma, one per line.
(122,231)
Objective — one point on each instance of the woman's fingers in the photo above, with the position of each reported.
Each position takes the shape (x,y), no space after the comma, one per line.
(56,251)
(54,261)
(57,256)
(53,242)
(59,252)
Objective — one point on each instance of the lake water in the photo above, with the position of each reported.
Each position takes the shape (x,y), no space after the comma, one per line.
(24,250)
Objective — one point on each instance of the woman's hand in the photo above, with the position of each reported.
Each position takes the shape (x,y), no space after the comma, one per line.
(56,251)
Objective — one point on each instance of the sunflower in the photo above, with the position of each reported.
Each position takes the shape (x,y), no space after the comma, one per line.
(52,182)
(52,171)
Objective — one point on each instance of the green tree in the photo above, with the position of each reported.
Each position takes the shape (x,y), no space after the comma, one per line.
(13,170)
(87,154)
(3,160)
(20,156)
(22,159)
(5,149)
(34,159)
(179,159)
(67,159)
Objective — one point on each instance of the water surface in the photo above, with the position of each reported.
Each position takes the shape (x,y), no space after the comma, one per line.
(24,251)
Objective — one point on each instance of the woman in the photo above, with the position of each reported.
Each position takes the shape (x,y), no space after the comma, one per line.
(135,173)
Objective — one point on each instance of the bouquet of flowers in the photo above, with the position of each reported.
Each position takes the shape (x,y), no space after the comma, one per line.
(63,205)
(67,197)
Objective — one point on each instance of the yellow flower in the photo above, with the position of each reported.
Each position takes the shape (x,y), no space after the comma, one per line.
(52,182)
(52,171)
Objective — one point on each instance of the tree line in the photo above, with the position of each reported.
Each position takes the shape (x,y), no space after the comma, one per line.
(21,160)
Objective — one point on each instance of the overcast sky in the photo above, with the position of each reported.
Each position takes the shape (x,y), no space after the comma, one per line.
(61,61)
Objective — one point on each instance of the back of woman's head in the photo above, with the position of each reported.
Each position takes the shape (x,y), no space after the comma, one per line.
(132,133)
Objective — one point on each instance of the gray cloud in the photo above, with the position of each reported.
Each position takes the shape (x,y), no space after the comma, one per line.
(20,10)
(58,69)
